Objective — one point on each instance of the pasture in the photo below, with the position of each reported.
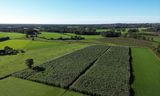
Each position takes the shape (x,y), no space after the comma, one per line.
(12,35)
(55,35)
(146,69)
(40,51)
(28,88)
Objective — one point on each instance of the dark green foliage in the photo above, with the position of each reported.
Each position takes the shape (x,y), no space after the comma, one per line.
(77,37)
(109,76)
(111,34)
(64,70)
(158,48)
(10,51)
(4,39)
(31,34)
(133,30)
(29,63)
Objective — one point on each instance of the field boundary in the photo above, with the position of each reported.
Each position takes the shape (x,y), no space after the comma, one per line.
(5,76)
(132,77)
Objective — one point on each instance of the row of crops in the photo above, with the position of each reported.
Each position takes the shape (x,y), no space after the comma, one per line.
(96,70)
(109,76)
(65,70)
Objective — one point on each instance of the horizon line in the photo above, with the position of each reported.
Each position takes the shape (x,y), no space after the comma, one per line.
(75,23)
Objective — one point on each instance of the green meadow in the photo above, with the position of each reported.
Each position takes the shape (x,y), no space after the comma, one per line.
(29,88)
(146,69)
(38,50)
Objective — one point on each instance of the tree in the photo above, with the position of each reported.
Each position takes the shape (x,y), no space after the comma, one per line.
(133,30)
(111,34)
(31,34)
(29,63)
(8,50)
(152,39)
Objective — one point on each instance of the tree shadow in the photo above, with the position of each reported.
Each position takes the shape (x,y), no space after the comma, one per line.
(38,69)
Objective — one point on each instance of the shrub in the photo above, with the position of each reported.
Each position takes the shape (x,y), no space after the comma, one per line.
(111,34)
(29,63)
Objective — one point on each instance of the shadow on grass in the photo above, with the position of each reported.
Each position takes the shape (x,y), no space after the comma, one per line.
(132,77)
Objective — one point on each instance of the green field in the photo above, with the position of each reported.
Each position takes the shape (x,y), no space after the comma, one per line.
(109,76)
(49,35)
(156,38)
(39,51)
(146,67)
(101,30)
(12,35)
(18,87)
(128,42)
(145,64)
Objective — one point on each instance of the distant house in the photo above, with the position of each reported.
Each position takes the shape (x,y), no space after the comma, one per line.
(31,32)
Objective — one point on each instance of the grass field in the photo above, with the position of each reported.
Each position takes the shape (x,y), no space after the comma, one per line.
(101,30)
(12,35)
(39,51)
(146,67)
(49,35)
(11,85)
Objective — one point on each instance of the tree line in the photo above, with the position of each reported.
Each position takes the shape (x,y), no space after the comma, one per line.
(79,29)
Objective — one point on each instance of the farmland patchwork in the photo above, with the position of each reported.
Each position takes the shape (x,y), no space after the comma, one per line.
(95,70)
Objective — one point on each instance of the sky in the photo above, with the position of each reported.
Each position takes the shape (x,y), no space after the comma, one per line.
(79,11)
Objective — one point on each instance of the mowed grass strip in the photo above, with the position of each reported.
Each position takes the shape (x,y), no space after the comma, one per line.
(65,70)
(146,67)
(109,76)
(17,87)
(40,51)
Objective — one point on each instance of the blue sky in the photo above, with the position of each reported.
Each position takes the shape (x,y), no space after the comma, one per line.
(79,11)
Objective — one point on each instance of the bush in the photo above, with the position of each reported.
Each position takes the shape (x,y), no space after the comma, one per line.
(4,39)
(111,34)
(77,38)
(29,63)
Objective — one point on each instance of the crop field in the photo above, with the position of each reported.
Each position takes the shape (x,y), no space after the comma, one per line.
(146,69)
(128,42)
(109,76)
(64,70)
(155,38)
(67,71)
